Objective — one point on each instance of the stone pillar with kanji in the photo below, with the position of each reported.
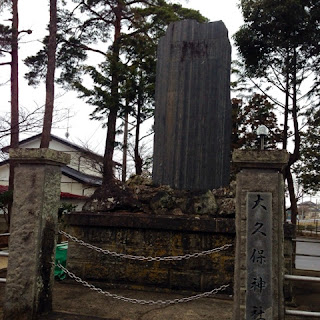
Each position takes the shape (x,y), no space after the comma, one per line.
(33,228)
(259,261)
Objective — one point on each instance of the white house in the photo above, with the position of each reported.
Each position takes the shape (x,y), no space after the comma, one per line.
(79,179)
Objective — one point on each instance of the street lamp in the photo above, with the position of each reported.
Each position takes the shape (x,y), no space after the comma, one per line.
(262,132)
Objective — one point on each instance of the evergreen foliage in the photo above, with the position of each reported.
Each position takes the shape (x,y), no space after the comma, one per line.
(247,116)
(308,168)
(279,44)
(5,39)
(124,34)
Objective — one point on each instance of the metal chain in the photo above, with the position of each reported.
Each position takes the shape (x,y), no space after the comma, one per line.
(143,258)
(140,301)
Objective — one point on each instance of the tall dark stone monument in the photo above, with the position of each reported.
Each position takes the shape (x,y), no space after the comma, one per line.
(193,109)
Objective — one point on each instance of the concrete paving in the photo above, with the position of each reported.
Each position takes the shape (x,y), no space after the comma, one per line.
(75,302)
(69,298)
(72,301)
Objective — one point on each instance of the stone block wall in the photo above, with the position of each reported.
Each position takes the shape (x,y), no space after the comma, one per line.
(149,235)
(174,223)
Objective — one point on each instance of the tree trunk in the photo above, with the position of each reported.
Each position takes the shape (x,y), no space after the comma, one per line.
(125,146)
(47,119)
(293,200)
(114,107)
(110,142)
(294,208)
(286,115)
(137,158)
(296,153)
(14,78)
(14,137)
(286,107)
(297,139)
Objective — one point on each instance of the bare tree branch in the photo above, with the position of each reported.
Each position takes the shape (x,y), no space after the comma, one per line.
(5,51)
(277,102)
(82,46)
(147,135)
(30,121)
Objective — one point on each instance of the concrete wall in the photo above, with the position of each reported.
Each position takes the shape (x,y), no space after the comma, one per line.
(75,187)
(160,234)
(148,235)
(4,174)
(67,184)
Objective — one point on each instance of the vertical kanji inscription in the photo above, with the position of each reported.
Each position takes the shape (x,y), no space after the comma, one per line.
(259,256)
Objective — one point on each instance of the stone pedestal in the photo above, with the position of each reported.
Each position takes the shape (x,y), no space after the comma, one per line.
(32,232)
(259,261)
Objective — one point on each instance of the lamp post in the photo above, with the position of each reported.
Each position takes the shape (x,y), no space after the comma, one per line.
(262,132)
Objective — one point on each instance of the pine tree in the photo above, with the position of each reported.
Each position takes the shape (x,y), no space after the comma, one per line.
(48,113)
(277,46)
(247,116)
(308,167)
(109,24)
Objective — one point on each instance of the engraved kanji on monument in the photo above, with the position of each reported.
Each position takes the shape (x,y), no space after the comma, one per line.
(259,256)
(193,109)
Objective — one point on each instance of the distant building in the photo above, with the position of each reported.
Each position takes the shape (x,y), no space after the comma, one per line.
(288,214)
(79,179)
(308,210)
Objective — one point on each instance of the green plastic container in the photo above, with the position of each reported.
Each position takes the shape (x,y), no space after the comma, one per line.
(61,257)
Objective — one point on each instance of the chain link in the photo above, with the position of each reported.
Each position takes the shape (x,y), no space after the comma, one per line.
(143,258)
(141,301)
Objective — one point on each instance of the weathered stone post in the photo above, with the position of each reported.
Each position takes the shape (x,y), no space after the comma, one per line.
(32,232)
(259,262)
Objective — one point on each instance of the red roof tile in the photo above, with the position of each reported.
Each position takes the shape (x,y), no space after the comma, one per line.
(3,188)
(68,195)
